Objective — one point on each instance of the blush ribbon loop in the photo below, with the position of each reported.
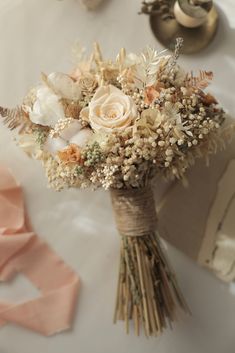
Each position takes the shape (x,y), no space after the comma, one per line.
(22,251)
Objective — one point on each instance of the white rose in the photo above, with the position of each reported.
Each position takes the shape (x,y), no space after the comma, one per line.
(73,134)
(47,109)
(110,110)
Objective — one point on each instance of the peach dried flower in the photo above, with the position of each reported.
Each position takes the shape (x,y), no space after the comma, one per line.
(151,94)
(71,154)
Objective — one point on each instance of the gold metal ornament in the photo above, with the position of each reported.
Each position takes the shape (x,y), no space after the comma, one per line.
(195,39)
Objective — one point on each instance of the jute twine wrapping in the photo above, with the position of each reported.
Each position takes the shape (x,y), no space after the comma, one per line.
(134,211)
(147,291)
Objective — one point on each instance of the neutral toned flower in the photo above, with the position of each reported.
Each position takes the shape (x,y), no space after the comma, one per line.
(148,123)
(71,134)
(82,137)
(110,110)
(151,94)
(47,109)
(71,154)
(71,109)
(103,139)
(87,82)
(109,72)
(84,115)
(64,86)
(53,145)
(71,130)
(208,99)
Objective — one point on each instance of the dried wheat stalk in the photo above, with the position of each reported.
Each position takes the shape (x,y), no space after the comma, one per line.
(147,290)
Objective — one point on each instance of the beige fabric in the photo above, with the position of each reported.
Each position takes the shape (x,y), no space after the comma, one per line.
(223,261)
(218,246)
(184,212)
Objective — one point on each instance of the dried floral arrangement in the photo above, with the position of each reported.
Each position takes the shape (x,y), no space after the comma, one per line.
(117,124)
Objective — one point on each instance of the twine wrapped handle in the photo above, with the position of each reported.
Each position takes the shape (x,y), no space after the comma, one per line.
(134,211)
(147,291)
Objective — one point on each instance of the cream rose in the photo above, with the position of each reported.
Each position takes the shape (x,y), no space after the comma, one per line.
(110,110)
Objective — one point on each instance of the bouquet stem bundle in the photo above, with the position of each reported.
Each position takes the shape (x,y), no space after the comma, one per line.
(147,290)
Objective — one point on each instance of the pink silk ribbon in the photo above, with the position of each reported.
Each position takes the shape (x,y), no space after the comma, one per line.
(21,250)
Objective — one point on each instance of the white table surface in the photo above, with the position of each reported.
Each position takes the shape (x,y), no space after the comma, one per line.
(35,36)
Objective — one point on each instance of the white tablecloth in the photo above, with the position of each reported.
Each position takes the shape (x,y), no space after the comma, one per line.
(35,36)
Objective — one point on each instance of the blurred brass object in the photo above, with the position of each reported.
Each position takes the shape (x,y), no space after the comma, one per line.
(196,8)
(161,8)
(190,15)
(195,39)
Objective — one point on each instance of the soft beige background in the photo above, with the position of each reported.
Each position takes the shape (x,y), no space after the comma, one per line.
(35,36)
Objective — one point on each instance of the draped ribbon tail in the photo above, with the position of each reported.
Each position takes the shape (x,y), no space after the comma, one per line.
(22,251)
(7,180)
(48,315)
(10,246)
(53,311)
(3,307)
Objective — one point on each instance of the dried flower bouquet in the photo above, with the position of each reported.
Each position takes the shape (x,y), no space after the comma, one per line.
(117,124)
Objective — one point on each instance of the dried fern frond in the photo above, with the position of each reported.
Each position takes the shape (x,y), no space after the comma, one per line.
(146,70)
(15,118)
(199,82)
(12,118)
